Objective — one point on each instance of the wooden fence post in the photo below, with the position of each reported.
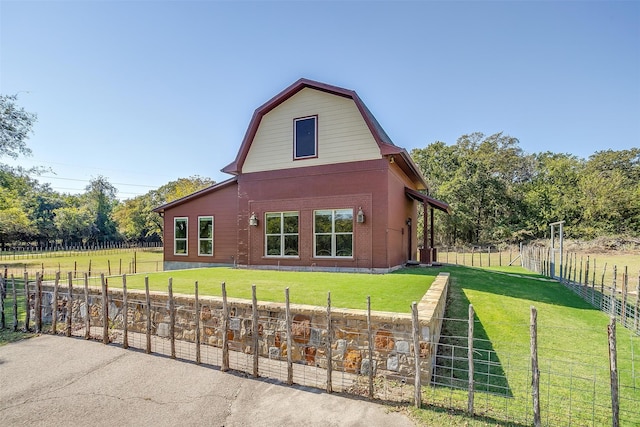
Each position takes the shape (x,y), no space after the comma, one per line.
(3,292)
(27,307)
(87,318)
(125,313)
(38,303)
(329,343)
(69,303)
(254,330)
(370,346)
(417,389)
(225,328)
(196,309)
(535,371)
(289,340)
(105,310)
(54,305)
(172,320)
(148,312)
(613,373)
(15,304)
(470,397)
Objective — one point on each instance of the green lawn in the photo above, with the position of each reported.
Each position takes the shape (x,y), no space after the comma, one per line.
(572,348)
(388,292)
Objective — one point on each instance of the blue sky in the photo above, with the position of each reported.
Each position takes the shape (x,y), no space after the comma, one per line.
(145,92)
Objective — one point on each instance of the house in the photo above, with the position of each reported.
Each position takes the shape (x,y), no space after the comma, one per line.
(317,185)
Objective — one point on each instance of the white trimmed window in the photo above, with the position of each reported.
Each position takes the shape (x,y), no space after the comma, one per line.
(281,234)
(305,137)
(205,235)
(333,233)
(180,233)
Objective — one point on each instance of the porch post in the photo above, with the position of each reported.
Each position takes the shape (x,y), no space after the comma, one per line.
(433,256)
(425,253)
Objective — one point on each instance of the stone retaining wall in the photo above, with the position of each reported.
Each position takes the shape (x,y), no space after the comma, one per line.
(393,350)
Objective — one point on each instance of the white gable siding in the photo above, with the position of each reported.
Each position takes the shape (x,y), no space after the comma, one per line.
(343,135)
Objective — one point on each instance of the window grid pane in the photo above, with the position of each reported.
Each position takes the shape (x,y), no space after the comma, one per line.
(205,235)
(333,233)
(281,234)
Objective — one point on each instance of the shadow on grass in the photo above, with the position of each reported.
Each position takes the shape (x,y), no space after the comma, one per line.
(452,368)
(531,287)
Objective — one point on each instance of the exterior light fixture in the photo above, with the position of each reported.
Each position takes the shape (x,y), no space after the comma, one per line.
(253,220)
(360,217)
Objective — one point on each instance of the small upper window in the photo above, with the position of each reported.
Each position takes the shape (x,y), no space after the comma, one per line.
(305,137)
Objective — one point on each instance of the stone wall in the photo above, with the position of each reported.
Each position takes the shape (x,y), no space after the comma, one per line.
(393,350)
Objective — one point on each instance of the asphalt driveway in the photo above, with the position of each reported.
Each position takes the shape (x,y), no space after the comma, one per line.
(51,380)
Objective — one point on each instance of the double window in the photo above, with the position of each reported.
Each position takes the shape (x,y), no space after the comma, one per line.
(205,235)
(305,137)
(180,225)
(333,233)
(281,232)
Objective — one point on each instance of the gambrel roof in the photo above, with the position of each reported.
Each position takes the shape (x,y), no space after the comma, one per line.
(386,146)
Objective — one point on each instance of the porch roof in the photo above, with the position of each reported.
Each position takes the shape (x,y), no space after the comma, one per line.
(416,195)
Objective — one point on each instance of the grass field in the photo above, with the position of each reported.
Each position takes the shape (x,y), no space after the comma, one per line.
(389,292)
(573,349)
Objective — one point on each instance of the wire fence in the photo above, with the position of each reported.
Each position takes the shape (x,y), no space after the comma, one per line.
(619,297)
(562,387)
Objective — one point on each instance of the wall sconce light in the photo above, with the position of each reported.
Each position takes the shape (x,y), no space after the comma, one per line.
(253,220)
(409,222)
(392,159)
(360,217)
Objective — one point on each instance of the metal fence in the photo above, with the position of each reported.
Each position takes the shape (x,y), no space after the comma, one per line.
(619,297)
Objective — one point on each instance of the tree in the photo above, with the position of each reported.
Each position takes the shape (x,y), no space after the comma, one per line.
(100,199)
(15,126)
(74,224)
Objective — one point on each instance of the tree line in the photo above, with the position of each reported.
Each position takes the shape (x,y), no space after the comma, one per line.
(497,192)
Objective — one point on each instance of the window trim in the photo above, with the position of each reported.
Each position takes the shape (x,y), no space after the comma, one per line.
(282,235)
(201,239)
(295,142)
(185,239)
(333,235)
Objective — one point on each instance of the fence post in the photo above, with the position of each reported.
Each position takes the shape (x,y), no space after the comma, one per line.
(15,304)
(254,330)
(614,291)
(125,313)
(535,371)
(637,318)
(2,295)
(289,341)
(38,303)
(105,310)
(370,346)
(148,310)
(27,307)
(172,319)
(69,303)
(329,356)
(613,373)
(225,327)
(54,305)
(470,360)
(196,309)
(417,389)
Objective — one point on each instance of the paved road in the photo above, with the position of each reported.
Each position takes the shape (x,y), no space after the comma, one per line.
(51,380)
